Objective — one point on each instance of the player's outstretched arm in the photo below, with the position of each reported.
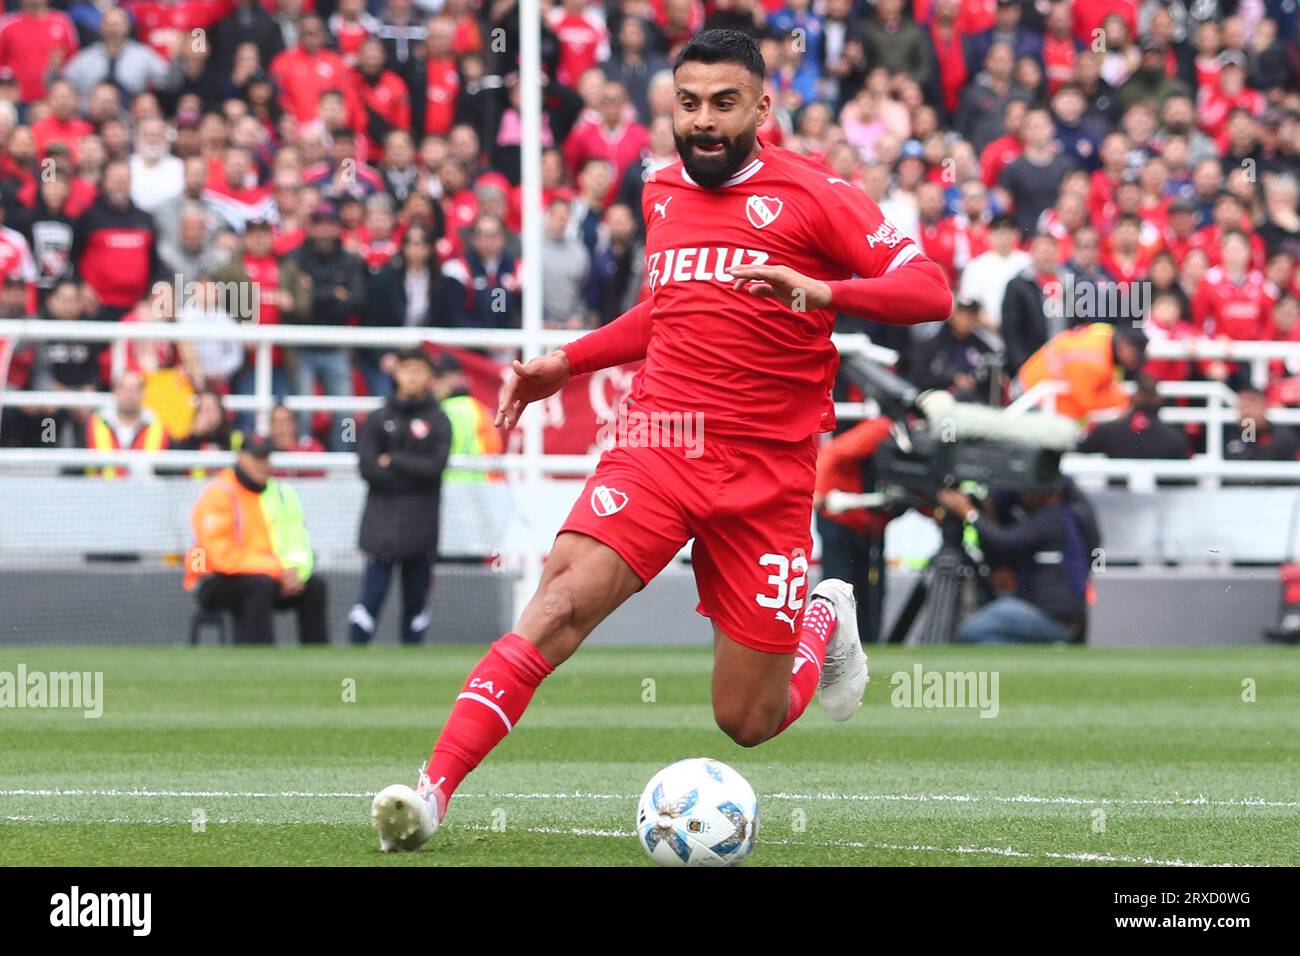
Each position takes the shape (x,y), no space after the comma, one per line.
(916,291)
(623,340)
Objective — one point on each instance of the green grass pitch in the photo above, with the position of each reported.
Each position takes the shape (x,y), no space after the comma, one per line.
(223,756)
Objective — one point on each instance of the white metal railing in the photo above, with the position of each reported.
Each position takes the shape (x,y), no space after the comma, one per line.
(263,337)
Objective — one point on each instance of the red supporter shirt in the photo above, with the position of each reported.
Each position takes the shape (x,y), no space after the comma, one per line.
(302,77)
(160,24)
(997,156)
(440,92)
(939,240)
(27,41)
(1239,310)
(753,367)
(1058,61)
(1090,14)
(51,129)
(583,45)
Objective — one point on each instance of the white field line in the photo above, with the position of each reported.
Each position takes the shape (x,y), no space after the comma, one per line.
(1198,801)
(1006,852)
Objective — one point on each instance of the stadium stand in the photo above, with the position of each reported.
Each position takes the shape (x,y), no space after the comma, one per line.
(159,160)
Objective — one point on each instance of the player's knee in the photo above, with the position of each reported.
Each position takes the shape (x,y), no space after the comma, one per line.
(748,727)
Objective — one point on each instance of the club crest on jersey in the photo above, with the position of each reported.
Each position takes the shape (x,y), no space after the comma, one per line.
(607,501)
(419,428)
(763,210)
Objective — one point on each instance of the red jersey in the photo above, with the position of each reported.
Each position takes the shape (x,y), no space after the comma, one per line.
(1210,239)
(1090,14)
(997,156)
(1239,310)
(754,368)
(161,24)
(584,43)
(51,129)
(28,40)
(1058,61)
(441,87)
(939,240)
(302,77)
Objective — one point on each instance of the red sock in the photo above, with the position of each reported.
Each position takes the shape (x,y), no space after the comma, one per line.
(818,625)
(493,699)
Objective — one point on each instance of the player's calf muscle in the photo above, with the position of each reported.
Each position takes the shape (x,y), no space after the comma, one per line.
(583,583)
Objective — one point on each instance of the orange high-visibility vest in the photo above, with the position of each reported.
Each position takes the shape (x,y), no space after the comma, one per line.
(1084,359)
(100,437)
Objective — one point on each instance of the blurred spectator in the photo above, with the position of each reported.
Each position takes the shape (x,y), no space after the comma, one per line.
(566,272)
(985,279)
(117,59)
(1034,305)
(190,254)
(413,290)
(618,269)
(1033,179)
(127,424)
(214,362)
(115,245)
(1139,432)
(305,72)
(1254,437)
(252,554)
(958,358)
(472,430)
(286,437)
(34,42)
(491,278)
(1090,360)
(336,282)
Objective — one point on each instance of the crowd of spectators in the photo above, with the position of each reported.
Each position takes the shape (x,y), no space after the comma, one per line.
(358,161)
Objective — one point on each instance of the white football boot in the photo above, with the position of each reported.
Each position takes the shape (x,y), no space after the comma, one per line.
(844,670)
(406,819)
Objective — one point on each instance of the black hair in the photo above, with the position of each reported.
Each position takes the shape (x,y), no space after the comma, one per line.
(416,354)
(723,46)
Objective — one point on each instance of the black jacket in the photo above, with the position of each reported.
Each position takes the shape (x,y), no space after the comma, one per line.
(1139,434)
(937,361)
(1024,321)
(1051,551)
(329,270)
(386,300)
(401,515)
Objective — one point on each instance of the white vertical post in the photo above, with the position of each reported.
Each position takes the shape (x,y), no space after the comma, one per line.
(530,156)
(262,387)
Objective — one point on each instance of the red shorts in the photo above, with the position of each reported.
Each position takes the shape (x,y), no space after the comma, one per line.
(747,505)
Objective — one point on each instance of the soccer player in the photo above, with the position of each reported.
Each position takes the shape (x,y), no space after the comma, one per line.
(751,250)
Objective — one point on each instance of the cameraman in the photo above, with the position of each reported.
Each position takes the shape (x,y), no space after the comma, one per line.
(1049,542)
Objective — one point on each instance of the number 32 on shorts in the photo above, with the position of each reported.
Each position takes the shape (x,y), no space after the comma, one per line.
(788,598)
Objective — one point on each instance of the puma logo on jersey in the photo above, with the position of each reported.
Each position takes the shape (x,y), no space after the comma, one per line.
(788,618)
(662,207)
(692,264)
(607,501)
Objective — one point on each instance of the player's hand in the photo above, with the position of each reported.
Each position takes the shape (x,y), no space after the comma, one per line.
(540,378)
(792,289)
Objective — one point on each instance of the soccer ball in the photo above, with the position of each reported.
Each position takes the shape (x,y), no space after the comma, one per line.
(697,812)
